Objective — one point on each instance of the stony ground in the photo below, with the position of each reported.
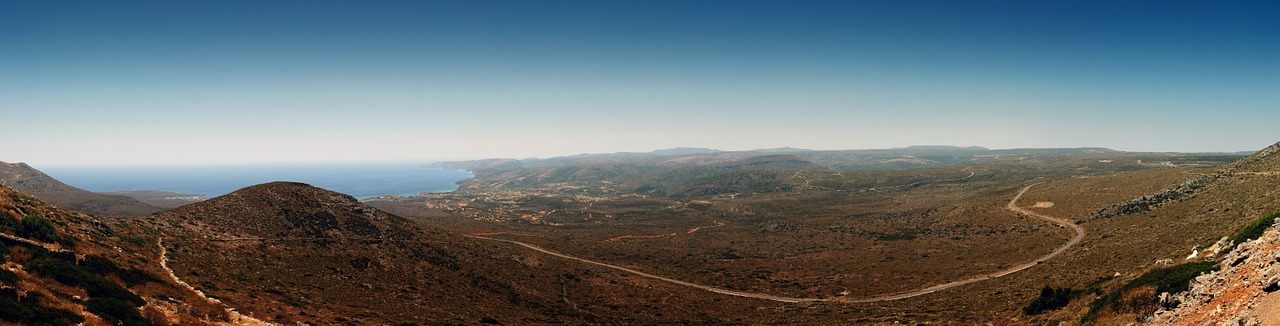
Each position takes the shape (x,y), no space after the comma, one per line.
(1244,292)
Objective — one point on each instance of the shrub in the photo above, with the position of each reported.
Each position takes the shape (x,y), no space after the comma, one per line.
(35,226)
(102,266)
(1050,299)
(1174,279)
(72,274)
(99,265)
(155,316)
(116,311)
(27,311)
(1254,229)
(134,276)
(8,277)
(8,221)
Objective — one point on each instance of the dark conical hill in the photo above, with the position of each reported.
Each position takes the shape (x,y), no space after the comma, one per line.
(292,210)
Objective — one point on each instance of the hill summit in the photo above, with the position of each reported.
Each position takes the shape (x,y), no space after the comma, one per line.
(293,210)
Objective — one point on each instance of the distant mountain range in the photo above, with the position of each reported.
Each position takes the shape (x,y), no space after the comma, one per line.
(693,171)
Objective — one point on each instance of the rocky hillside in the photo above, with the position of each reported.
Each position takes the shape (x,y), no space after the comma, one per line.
(64,268)
(292,253)
(1266,159)
(1245,292)
(289,253)
(24,178)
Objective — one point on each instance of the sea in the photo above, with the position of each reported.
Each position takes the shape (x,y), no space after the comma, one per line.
(361,180)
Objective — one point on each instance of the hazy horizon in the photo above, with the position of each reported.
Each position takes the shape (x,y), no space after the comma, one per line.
(246,82)
(427,162)
(362,180)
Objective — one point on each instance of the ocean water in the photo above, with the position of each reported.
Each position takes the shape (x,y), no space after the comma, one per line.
(358,180)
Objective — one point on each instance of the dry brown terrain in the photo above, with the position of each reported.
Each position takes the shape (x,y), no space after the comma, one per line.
(967,244)
(834,240)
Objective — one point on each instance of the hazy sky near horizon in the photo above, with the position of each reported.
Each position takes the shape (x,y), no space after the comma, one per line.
(177,82)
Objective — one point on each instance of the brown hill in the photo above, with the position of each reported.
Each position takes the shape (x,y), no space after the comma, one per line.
(293,210)
(26,179)
(62,268)
(288,253)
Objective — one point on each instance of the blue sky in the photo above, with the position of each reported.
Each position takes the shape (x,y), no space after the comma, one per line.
(168,82)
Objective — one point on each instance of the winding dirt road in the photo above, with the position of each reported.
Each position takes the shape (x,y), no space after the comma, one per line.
(1011,206)
(665,279)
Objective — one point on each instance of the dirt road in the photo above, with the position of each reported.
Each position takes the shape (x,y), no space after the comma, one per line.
(669,280)
(1011,206)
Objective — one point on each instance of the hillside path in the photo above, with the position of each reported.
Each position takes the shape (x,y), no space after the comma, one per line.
(1079,235)
(236,317)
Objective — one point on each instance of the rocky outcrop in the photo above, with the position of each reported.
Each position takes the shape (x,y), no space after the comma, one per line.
(1270,150)
(1146,203)
(1263,160)
(1242,293)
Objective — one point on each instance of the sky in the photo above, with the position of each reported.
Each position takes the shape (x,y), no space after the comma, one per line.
(189,82)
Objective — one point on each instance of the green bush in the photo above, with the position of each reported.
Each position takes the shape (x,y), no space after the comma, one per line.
(116,311)
(35,226)
(26,310)
(8,221)
(99,265)
(1050,299)
(134,276)
(74,275)
(8,277)
(1174,279)
(102,266)
(1254,229)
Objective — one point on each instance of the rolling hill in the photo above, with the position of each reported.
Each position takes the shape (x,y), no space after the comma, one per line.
(289,253)
(24,178)
(64,268)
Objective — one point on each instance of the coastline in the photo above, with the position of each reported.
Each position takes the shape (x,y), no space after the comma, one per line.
(362,181)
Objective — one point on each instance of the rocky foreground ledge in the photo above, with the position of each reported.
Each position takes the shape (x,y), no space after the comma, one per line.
(1245,292)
